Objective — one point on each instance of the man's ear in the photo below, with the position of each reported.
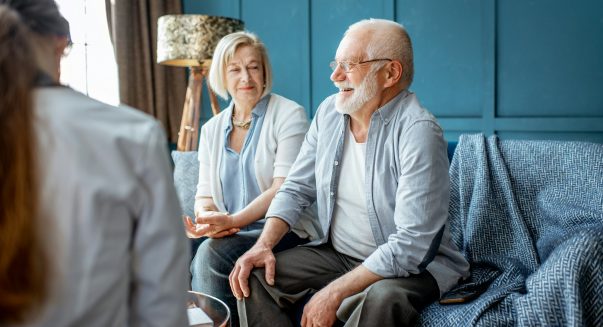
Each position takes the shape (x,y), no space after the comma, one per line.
(393,73)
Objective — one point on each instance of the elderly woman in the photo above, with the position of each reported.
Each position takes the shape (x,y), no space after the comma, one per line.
(245,153)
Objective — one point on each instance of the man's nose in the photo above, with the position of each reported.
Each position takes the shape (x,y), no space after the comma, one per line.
(338,74)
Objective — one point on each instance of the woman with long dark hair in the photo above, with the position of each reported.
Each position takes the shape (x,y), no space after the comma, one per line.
(89,234)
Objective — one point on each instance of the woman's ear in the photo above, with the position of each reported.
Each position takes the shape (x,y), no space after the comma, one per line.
(60,44)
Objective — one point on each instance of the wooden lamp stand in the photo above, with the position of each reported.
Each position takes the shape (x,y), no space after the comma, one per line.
(188,136)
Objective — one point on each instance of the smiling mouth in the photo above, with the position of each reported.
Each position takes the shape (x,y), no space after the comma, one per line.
(346,89)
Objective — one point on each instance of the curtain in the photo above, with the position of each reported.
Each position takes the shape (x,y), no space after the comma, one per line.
(143,84)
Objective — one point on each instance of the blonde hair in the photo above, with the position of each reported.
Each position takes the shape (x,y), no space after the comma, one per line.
(224,52)
(388,40)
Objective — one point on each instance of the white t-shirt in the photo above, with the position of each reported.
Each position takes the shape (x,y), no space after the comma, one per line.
(350,229)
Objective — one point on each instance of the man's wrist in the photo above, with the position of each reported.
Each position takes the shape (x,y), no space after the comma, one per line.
(352,282)
(264,243)
(337,291)
(273,232)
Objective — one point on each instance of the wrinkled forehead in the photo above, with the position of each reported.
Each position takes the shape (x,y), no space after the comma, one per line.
(353,46)
(245,53)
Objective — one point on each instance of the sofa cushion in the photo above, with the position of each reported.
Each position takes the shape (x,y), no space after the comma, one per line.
(186,175)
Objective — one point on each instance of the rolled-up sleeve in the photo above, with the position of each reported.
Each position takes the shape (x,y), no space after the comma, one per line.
(421,205)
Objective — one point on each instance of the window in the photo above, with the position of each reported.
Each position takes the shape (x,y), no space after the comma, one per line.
(90,66)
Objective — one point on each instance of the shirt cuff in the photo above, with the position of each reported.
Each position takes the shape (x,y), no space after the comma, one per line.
(285,208)
(383,264)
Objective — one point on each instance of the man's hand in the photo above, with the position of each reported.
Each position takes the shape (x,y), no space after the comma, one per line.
(260,255)
(322,308)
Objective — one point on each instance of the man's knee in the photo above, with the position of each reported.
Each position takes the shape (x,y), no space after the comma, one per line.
(387,291)
(257,291)
(254,280)
(387,300)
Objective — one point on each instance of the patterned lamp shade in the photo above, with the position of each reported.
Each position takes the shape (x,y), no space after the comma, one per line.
(190,40)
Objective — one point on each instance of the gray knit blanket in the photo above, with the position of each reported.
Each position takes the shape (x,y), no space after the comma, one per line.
(528,215)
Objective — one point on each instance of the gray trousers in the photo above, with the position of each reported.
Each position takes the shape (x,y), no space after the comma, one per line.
(302,271)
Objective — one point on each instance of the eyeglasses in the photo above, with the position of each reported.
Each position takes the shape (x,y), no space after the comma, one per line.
(348,66)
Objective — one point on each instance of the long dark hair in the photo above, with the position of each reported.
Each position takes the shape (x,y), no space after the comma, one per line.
(23,263)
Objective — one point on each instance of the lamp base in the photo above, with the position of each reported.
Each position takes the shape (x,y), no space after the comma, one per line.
(188,136)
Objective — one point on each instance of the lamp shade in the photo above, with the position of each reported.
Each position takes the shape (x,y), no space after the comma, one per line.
(190,40)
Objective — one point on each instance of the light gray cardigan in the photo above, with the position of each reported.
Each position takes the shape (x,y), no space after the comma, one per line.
(285,125)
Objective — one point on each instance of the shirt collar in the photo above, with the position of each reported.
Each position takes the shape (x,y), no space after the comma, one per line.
(387,111)
(260,108)
(258,111)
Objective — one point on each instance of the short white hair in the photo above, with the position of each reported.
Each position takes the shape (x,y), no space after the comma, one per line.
(224,52)
(388,39)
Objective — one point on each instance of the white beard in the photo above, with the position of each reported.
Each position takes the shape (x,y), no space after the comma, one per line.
(360,96)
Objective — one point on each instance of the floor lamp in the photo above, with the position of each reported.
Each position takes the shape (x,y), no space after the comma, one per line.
(189,41)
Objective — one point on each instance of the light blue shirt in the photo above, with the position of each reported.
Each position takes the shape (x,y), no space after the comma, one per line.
(406,185)
(237,173)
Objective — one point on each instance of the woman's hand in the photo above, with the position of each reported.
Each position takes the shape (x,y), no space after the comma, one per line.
(216,224)
(191,228)
(199,230)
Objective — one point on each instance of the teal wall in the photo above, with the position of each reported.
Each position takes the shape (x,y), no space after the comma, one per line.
(520,69)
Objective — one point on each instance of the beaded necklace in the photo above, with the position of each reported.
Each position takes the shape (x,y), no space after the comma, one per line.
(240,123)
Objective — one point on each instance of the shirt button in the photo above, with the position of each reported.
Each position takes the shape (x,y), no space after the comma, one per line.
(332,193)
(336,163)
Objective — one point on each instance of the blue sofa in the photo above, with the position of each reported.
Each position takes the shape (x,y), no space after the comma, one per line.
(528,215)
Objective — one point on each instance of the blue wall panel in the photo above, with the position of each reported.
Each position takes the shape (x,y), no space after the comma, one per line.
(449,56)
(284,26)
(551,63)
(226,8)
(518,69)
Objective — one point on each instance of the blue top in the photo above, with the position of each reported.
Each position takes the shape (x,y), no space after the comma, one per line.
(406,184)
(237,173)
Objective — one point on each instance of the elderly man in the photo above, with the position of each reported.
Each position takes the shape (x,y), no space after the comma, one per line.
(375,163)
